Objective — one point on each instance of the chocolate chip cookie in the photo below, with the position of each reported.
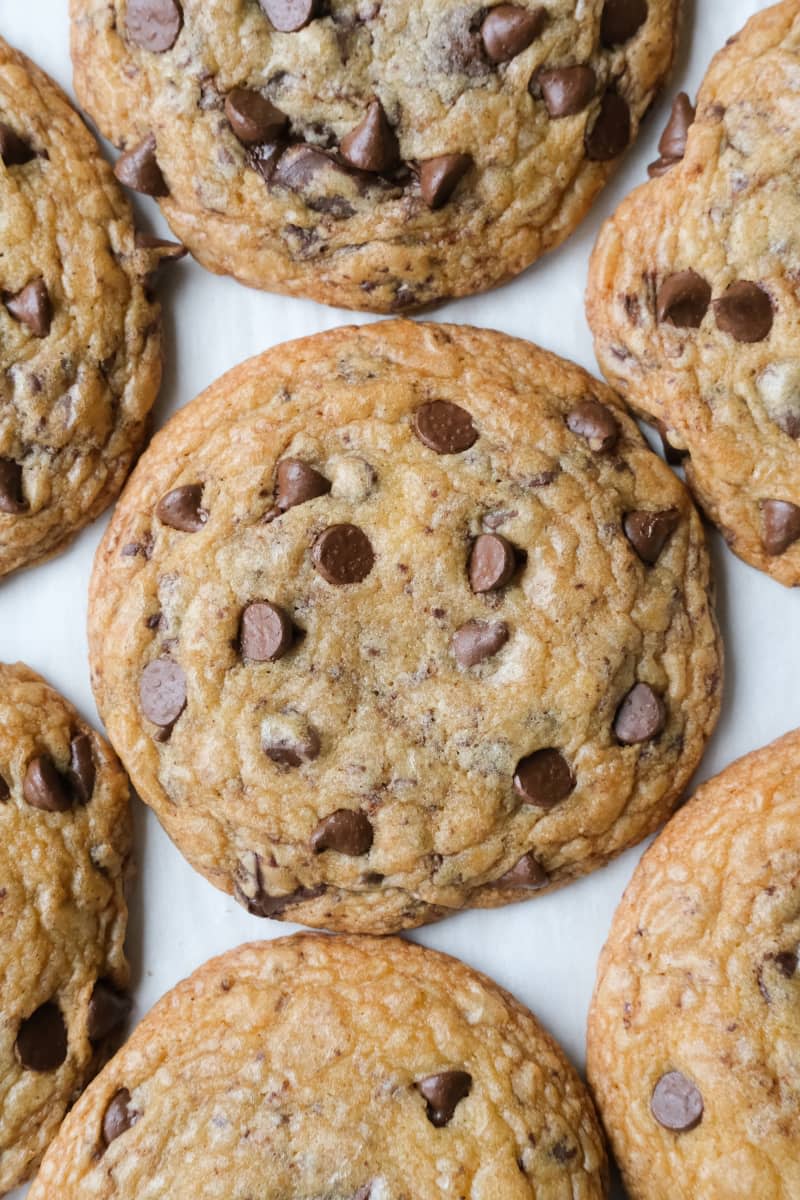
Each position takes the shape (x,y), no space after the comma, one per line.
(80,356)
(64,844)
(397,620)
(350,1068)
(693,296)
(374,155)
(694,1040)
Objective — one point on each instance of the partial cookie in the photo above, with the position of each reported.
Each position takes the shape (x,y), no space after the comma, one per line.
(693,296)
(377,156)
(694,1042)
(355,1069)
(64,846)
(397,620)
(80,345)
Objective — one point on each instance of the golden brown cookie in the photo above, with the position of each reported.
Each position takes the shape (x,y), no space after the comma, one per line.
(80,344)
(694,1041)
(397,620)
(693,296)
(64,846)
(349,1068)
(377,156)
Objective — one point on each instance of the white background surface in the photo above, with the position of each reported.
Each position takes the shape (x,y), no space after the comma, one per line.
(544,951)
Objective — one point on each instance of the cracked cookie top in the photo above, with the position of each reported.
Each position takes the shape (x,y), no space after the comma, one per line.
(374,154)
(397,620)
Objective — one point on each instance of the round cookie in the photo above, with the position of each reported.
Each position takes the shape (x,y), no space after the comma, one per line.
(694,1040)
(355,1069)
(693,297)
(397,620)
(378,156)
(80,345)
(64,847)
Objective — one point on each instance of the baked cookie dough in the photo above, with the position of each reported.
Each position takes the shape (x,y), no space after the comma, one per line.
(355,1069)
(80,344)
(693,297)
(397,620)
(374,155)
(64,845)
(694,1041)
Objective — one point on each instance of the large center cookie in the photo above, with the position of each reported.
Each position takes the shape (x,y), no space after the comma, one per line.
(400,619)
(376,155)
(64,847)
(694,1038)
(80,342)
(350,1069)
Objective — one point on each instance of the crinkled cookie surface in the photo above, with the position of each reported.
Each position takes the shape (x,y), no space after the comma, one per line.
(80,346)
(397,620)
(374,154)
(693,292)
(64,846)
(694,1039)
(354,1069)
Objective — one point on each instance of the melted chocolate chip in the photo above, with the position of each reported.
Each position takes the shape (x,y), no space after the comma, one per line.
(345,831)
(249,891)
(182,508)
(445,427)
(745,312)
(153,24)
(300,165)
(12,499)
(290,15)
(138,169)
(611,132)
(676,1103)
(343,554)
(162,692)
(253,118)
(527,873)
(372,145)
(683,300)
(507,30)
(297,482)
(81,771)
(649,532)
(596,423)
(108,1008)
(476,641)
(621,20)
(119,1116)
(565,90)
(266,632)
(14,150)
(780,520)
(492,562)
(41,1043)
(44,786)
(444,1092)
(641,716)
(32,308)
(291,743)
(439,177)
(544,778)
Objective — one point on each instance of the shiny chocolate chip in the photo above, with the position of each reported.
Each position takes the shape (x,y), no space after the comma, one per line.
(81,771)
(683,300)
(528,873)
(182,508)
(253,118)
(565,90)
(32,308)
(138,169)
(119,1116)
(595,423)
(443,1093)
(544,778)
(439,177)
(372,146)
(621,20)
(508,29)
(745,312)
(297,482)
(44,787)
(345,831)
(649,532)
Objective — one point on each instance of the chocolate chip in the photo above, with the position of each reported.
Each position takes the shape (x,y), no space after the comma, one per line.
(641,716)
(253,118)
(108,1008)
(163,250)
(290,740)
(544,778)
(153,24)
(41,1043)
(297,482)
(621,19)
(343,554)
(44,786)
(672,143)
(676,1103)
(444,427)
(565,90)
(611,132)
(781,525)
(372,145)
(5,790)
(266,632)
(346,831)
(138,169)
(492,562)
(249,891)
(443,1092)
(478,640)
(745,312)
(596,423)
(12,499)
(264,158)
(527,873)
(14,150)
(301,164)
(683,300)
(119,1116)
(648,532)
(81,770)
(32,308)
(182,508)
(162,692)
(673,454)
(508,30)
(290,15)
(439,177)
(786,962)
